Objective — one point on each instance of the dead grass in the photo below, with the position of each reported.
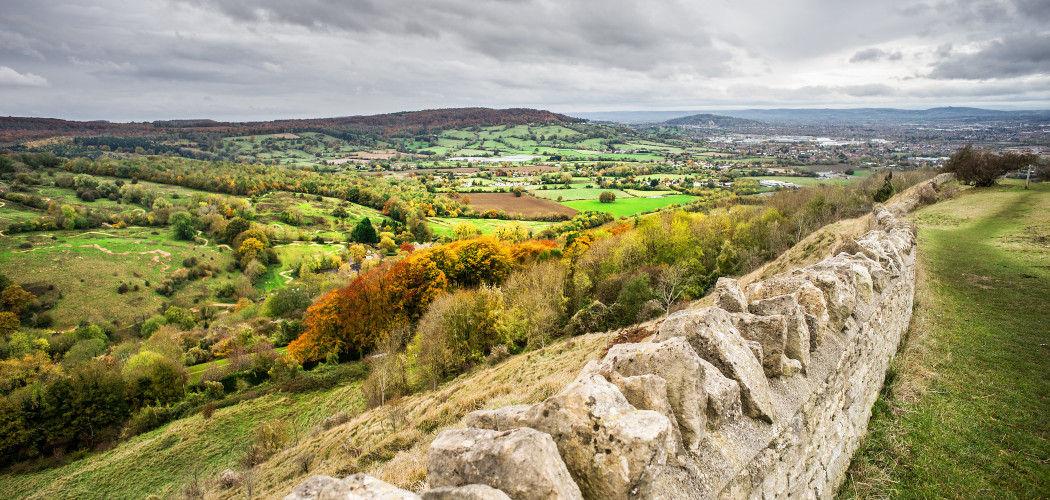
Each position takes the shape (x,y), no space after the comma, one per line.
(390,442)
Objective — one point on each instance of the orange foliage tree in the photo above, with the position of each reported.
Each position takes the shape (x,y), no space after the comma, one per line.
(355,317)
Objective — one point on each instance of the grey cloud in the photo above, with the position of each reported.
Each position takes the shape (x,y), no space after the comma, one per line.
(1014,56)
(875,54)
(611,33)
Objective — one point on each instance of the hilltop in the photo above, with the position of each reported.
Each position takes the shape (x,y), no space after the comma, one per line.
(13,129)
(712,121)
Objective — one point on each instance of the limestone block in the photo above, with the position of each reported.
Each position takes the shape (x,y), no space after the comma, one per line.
(355,487)
(839,295)
(523,463)
(649,392)
(611,448)
(729,296)
(311,487)
(810,298)
(723,397)
(797,343)
(711,333)
(770,332)
(500,419)
(469,492)
(675,361)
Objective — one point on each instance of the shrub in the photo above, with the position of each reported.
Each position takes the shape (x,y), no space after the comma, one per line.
(981,167)
(284,368)
(213,389)
(145,420)
(151,325)
(286,301)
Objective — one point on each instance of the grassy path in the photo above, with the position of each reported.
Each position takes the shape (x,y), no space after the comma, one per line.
(966,409)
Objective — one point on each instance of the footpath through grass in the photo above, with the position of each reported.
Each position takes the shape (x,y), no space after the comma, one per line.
(966,409)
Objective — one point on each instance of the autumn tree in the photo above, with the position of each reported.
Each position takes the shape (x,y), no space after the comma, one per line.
(607,197)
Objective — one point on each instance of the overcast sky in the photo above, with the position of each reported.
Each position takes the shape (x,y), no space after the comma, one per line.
(139,60)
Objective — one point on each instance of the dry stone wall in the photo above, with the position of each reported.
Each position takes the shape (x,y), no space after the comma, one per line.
(767,394)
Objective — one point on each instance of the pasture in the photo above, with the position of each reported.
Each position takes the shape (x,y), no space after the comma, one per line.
(623,207)
(87,267)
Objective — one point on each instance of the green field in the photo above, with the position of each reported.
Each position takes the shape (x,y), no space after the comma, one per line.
(290,254)
(629,206)
(575,193)
(966,409)
(88,266)
(802,181)
(442,226)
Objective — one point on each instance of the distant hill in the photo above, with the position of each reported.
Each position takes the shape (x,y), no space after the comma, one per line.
(887,115)
(16,129)
(713,121)
(840,116)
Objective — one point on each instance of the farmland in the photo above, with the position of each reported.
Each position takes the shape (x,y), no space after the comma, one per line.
(624,207)
(523,206)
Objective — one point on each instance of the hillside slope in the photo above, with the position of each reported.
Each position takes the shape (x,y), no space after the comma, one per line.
(387,442)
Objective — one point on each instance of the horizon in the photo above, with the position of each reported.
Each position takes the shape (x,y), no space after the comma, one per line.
(126,60)
(571,114)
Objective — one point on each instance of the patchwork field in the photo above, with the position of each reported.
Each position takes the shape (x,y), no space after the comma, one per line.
(524,206)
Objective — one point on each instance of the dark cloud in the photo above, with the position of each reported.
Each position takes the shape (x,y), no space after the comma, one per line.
(875,54)
(1014,56)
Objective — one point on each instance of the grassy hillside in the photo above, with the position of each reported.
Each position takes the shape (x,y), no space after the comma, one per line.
(389,442)
(966,409)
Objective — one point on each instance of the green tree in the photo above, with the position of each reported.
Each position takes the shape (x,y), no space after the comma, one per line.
(185,225)
(237,225)
(607,197)
(365,233)
(885,192)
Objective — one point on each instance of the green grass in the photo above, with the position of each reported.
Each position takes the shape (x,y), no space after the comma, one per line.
(574,194)
(442,226)
(629,206)
(88,277)
(967,412)
(291,254)
(197,371)
(161,461)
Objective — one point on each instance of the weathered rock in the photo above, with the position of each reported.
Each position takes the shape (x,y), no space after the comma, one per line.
(723,397)
(809,296)
(797,343)
(839,295)
(611,448)
(648,392)
(355,487)
(770,332)
(523,463)
(711,332)
(675,361)
(311,488)
(729,296)
(229,478)
(469,492)
(500,419)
